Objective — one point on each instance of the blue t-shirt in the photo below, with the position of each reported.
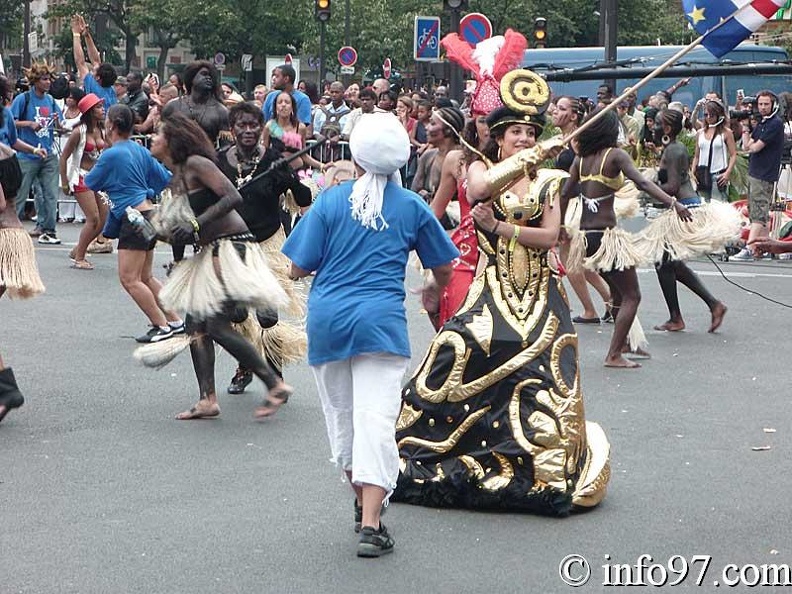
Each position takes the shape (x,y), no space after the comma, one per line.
(91,85)
(356,304)
(766,164)
(300,98)
(129,175)
(43,110)
(8,131)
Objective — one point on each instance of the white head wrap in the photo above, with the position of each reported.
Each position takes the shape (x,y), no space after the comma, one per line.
(380,146)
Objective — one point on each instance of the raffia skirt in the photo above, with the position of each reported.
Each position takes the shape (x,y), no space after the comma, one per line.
(285,341)
(625,206)
(618,250)
(202,287)
(714,225)
(18,269)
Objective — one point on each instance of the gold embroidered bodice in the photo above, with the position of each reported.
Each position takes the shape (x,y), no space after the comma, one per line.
(517,275)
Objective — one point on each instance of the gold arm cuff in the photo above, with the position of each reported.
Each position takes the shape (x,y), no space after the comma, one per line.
(500,175)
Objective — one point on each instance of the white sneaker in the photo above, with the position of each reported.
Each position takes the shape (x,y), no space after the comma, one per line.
(744,255)
(49,239)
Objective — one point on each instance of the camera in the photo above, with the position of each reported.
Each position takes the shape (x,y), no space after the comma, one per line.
(744,114)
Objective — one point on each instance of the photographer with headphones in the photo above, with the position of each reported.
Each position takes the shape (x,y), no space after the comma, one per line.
(764,145)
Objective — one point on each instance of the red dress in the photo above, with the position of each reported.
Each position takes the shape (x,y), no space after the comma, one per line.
(464,237)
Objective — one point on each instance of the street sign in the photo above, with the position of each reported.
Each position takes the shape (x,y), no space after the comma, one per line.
(426,40)
(33,41)
(347,70)
(151,62)
(347,56)
(219,58)
(475,27)
(386,68)
(288,60)
(247,62)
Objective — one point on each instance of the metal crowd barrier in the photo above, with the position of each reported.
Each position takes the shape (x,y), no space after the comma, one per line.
(325,153)
(329,152)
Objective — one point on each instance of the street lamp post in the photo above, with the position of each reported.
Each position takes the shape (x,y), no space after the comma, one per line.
(322,68)
(609,24)
(455,7)
(26,37)
(347,41)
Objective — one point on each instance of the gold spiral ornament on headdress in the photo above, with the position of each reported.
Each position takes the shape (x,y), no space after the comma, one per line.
(525,91)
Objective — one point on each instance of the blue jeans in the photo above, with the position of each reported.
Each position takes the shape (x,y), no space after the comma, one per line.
(46,171)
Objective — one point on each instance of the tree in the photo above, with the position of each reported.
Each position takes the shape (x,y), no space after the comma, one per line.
(11,15)
(119,12)
(162,18)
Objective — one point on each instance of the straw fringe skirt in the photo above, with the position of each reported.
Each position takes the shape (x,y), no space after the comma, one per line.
(618,250)
(18,269)
(201,289)
(714,225)
(625,205)
(285,342)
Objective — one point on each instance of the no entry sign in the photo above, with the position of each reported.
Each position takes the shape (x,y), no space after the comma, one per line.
(386,68)
(347,56)
(475,27)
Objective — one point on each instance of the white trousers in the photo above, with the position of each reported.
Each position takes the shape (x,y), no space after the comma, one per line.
(361,398)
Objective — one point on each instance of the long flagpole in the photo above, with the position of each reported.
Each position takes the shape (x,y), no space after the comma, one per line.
(652,75)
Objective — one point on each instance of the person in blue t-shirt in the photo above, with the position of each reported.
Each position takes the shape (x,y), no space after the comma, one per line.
(132,177)
(358,346)
(37,115)
(8,133)
(100,82)
(283,81)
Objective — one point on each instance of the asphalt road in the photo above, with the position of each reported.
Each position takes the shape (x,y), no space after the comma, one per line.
(102,491)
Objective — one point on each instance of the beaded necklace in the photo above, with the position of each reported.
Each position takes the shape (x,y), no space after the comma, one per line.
(253,163)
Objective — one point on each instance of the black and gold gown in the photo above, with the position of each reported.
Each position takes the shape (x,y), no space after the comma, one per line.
(493,416)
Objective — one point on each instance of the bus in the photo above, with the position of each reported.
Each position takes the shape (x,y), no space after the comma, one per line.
(547,60)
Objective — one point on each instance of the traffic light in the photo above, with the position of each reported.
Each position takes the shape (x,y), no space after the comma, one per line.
(540,32)
(323,10)
(452,5)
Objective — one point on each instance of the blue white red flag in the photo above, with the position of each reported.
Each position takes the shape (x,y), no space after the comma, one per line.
(749,16)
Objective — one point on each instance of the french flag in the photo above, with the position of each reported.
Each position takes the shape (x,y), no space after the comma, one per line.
(748,17)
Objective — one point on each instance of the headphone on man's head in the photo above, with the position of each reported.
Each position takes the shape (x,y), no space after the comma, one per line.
(775,106)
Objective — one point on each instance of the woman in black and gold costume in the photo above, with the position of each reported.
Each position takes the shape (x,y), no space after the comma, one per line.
(493,417)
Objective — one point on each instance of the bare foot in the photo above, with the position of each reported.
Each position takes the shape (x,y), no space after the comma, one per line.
(200,411)
(718,311)
(671,326)
(275,399)
(621,362)
(639,352)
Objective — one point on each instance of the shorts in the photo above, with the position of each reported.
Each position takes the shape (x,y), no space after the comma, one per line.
(80,186)
(760,194)
(10,177)
(130,239)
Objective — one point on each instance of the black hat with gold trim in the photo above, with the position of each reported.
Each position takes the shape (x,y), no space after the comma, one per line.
(525,97)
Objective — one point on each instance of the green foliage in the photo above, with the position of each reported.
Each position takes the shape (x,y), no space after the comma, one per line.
(106,44)
(11,15)
(378,28)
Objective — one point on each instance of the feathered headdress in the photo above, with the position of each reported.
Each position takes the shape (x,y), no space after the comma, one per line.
(489,61)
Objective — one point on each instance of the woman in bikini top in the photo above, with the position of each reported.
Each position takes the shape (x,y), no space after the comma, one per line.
(597,190)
